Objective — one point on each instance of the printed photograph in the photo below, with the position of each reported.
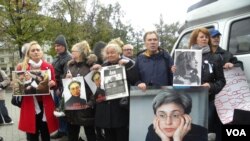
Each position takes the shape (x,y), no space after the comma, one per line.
(188,67)
(114,82)
(165,112)
(74,93)
(27,83)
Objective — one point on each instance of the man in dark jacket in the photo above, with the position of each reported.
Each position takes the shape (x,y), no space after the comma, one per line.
(60,65)
(154,64)
(227,57)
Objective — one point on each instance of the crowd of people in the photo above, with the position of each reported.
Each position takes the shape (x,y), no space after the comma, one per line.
(108,120)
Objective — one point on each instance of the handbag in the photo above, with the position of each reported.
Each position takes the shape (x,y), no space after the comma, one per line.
(16,101)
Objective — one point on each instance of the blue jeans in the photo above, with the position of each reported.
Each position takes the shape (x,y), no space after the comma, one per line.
(4,116)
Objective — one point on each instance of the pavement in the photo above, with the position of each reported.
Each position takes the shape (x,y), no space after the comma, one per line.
(11,132)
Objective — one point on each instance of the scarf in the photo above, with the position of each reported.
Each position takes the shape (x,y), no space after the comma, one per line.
(205,49)
(34,64)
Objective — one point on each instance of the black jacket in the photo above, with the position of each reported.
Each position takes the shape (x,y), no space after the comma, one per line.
(81,117)
(227,56)
(60,66)
(197,133)
(111,113)
(214,77)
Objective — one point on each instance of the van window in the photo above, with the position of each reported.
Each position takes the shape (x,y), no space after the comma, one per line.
(239,39)
(183,44)
(184,41)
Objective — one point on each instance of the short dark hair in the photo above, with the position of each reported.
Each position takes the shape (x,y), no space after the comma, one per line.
(95,73)
(172,96)
(72,82)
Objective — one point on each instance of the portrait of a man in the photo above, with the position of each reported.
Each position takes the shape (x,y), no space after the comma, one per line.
(75,101)
(100,93)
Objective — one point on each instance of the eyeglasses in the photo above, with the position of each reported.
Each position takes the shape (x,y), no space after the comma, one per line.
(127,49)
(163,116)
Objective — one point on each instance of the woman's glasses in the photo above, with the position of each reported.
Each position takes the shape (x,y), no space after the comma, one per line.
(174,116)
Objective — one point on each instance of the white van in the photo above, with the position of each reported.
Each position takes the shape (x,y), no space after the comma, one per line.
(230,17)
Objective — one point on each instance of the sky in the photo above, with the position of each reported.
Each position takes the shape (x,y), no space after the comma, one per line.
(143,14)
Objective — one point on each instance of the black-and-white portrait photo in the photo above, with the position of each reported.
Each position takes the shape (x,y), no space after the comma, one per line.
(188,67)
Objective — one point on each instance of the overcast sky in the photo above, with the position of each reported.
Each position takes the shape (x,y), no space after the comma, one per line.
(143,14)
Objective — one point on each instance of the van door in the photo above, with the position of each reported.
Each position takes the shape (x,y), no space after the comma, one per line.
(238,42)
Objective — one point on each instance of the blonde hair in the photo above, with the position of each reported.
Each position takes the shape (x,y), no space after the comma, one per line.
(84,48)
(27,57)
(117,41)
(113,46)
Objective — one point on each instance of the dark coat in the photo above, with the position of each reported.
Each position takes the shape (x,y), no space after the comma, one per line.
(75,102)
(60,65)
(156,69)
(197,133)
(215,78)
(111,113)
(227,56)
(29,89)
(81,117)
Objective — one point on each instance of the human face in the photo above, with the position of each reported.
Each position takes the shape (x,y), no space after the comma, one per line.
(202,39)
(27,77)
(75,89)
(152,43)
(127,51)
(75,54)
(215,40)
(59,48)
(169,118)
(35,53)
(193,63)
(97,80)
(112,55)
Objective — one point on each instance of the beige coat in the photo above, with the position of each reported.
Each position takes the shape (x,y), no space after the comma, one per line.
(5,82)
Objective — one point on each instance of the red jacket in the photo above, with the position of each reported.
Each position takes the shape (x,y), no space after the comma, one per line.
(27,122)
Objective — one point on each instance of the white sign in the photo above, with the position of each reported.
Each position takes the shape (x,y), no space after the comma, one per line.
(234,95)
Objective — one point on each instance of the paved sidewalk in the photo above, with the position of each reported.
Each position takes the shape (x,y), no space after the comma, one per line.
(11,132)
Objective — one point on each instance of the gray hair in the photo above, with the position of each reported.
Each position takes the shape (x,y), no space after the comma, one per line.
(172,96)
(116,47)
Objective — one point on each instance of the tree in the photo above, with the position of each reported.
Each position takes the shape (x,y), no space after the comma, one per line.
(20,22)
(167,33)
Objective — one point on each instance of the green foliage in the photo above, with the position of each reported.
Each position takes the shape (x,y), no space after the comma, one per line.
(43,20)
(167,34)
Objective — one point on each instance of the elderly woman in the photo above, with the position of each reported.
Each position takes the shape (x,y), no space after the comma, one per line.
(212,75)
(172,121)
(80,66)
(36,115)
(111,115)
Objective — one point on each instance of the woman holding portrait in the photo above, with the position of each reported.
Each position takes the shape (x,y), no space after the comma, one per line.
(113,115)
(36,112)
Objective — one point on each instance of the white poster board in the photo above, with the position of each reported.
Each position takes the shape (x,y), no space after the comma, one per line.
(234,95)
(188,67)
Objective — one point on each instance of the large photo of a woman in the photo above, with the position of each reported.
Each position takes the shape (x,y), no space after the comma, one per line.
(169,113)
(188,67)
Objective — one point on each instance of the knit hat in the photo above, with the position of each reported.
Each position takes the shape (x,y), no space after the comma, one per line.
(61,41)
